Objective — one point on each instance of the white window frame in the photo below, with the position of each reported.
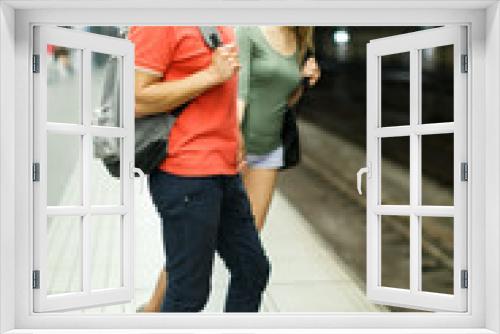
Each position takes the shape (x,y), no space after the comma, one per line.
(413,43)
(86,43)
(483,18)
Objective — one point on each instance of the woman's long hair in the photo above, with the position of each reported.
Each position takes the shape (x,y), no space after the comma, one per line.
(305,42)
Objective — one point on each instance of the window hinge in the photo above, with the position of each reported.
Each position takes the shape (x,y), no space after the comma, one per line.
(464,171)
(36,279)
(465,64)
(36,63)
(465,279)
(36,172)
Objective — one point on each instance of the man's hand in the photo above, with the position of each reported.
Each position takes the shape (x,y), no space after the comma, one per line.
(225,63)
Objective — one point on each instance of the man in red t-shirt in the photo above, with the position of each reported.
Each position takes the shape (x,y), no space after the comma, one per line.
(197,189)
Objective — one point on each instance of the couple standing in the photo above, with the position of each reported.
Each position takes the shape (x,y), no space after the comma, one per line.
(197,190)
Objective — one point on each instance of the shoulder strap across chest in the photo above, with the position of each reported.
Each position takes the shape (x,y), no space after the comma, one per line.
(211,36)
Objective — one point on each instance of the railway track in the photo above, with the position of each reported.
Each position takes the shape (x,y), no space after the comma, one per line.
(323,188)
(345,187)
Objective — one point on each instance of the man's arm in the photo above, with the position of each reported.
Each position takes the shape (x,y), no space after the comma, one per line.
(154,95)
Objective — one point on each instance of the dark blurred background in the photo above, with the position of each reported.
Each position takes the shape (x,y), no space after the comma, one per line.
(338,102)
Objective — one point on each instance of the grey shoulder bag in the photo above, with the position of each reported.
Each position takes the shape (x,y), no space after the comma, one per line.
(151,132)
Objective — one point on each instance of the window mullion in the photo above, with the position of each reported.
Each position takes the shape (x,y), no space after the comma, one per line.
(78,129)
(86,160)
(415,157)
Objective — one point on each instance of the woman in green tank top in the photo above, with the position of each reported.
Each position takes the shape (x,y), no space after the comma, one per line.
(270,79)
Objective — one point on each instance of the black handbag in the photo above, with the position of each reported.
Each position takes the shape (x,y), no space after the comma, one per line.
(290,131)
(290,138)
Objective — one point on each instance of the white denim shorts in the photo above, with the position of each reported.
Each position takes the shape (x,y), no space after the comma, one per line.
(273,159)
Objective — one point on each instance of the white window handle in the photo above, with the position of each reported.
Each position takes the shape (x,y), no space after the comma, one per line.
(142,176)
(364,170)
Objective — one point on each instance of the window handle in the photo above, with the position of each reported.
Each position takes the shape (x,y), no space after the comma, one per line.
(137,171)
(364,170)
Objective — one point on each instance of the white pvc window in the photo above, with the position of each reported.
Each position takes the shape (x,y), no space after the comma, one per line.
(83,215)
(408,209)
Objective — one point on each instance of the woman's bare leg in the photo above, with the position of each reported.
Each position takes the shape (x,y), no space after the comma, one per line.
(260,184)
(154,303)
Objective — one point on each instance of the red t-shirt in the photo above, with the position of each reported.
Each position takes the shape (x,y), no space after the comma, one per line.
(203,140)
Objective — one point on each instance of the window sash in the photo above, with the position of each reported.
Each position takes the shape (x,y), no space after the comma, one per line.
(414,297)
(87,43)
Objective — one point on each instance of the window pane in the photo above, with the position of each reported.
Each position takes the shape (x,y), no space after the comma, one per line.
(395,89)
(437,169)
(437,84)
(105,95)
(64,254)
(64,82)
(64,169)
(395,171)
(106,235)
(106,183)
(395,232)
(437,254)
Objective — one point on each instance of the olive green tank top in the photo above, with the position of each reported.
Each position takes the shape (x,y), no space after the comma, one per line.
(267,78)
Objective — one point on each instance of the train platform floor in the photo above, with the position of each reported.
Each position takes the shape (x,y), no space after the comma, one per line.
(307,276)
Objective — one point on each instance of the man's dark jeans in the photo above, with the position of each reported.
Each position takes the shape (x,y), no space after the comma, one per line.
(201,216)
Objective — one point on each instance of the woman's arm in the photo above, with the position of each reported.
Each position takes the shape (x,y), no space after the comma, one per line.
(244,49)
(311,73)
(240,107)
(245,52)
(296,95)
(154,95)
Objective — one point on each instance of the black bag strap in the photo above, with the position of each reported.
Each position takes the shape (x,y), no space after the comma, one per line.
(211,36)
(213,40)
